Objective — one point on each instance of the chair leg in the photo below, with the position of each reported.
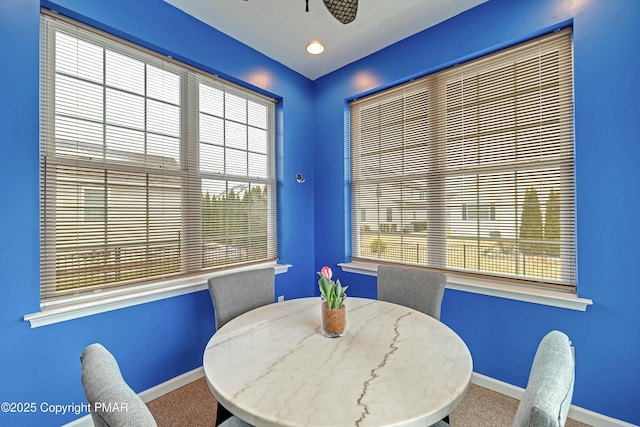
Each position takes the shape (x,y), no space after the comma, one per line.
(222,414)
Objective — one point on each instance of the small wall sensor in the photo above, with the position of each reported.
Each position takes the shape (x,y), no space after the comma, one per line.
(299,178)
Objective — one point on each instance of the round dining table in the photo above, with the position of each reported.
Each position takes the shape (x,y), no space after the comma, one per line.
(394,366)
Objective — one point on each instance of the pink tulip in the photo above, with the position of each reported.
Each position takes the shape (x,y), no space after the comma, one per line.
(326,272)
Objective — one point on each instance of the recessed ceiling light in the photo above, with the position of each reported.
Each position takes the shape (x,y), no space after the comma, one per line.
(315,48)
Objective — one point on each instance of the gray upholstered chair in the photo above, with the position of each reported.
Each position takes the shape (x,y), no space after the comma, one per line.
(103,384)
(412,287)
(236,293)
(547,398)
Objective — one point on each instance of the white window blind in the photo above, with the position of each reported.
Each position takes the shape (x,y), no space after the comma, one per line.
(471,169)
(150,169)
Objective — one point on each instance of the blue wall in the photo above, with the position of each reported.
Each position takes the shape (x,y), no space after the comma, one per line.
(156,341)
(503,334)
(160,340)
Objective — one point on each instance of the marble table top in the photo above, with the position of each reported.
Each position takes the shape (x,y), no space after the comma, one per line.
(393,367)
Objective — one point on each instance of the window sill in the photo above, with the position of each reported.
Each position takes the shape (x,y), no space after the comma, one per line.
(551,297)
(76,307)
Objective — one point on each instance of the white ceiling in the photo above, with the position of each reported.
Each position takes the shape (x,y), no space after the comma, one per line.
(281,29)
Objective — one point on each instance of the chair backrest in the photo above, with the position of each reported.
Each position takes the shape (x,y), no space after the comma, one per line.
(112,402)
(415,288)
(547,398)
(236,293)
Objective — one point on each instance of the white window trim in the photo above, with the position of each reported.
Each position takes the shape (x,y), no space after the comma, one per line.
(370,124)
(96,301)
(87,305)
(492,287)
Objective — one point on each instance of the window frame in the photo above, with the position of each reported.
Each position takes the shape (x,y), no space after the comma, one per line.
(436,82)
(100,298)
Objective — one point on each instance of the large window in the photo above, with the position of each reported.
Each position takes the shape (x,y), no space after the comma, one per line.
(150,169)
(476,162)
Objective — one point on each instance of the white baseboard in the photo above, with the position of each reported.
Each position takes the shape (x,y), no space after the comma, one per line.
(151,393)
(171,385)
(577,413)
